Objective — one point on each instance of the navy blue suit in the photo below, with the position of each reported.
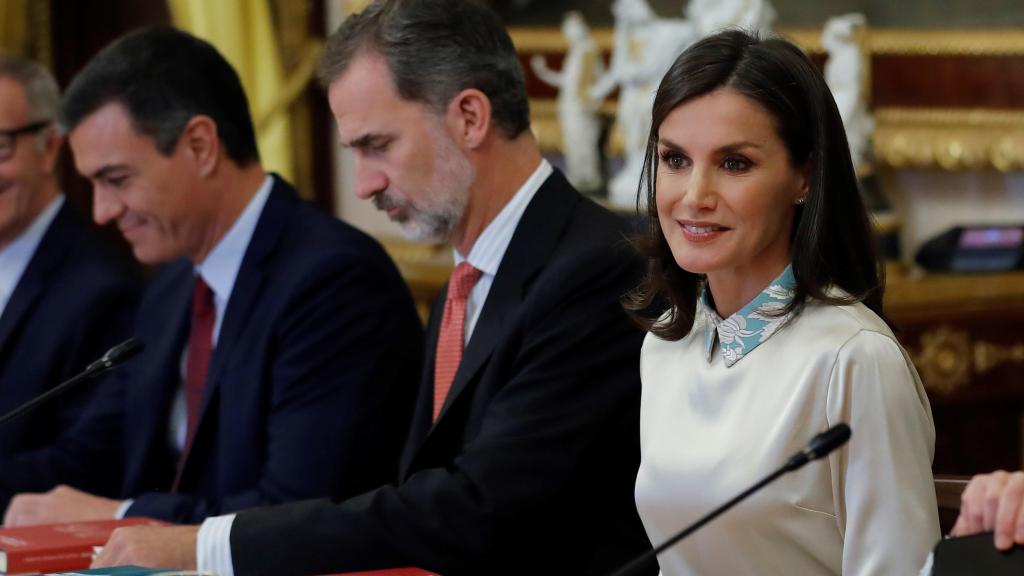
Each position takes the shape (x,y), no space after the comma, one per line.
(529,469)
(310,386)
(73,301)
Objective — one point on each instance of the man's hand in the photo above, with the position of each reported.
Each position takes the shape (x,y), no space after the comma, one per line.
(62,504)
(150,546)
(993,502)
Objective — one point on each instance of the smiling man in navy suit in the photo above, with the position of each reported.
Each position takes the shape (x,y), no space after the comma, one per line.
(65,296)
(282,345)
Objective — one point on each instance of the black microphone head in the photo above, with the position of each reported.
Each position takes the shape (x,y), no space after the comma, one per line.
(827,441)
(122,352)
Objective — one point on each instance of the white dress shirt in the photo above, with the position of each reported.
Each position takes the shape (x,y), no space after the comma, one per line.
(213,547)
(489,248)
(219,270)
(732,400)
(14,257)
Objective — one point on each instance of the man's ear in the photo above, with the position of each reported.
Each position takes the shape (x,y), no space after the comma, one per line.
(469,114)
(201,143)
(51,149)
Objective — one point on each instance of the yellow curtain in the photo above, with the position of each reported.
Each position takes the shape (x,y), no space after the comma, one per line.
(14,26)
(242,30)
(356,6)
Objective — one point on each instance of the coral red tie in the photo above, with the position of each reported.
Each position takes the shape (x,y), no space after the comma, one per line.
(452,335)
(200,349)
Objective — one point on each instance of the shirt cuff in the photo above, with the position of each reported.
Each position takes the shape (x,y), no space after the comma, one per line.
(213,546)
(926,570)
(122,510)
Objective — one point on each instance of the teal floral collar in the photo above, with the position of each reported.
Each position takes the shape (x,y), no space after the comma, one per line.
(745,330)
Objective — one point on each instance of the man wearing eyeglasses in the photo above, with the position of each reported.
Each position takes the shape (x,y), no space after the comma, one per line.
(65,297)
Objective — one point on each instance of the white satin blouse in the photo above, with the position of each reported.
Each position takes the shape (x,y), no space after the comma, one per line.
(735,398)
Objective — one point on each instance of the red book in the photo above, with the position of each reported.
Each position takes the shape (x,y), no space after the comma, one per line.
(58,547)
(390,572)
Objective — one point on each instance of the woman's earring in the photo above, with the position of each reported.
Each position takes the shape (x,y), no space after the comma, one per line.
(800,201)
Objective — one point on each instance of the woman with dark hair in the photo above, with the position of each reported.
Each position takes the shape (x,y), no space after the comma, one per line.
(763,299)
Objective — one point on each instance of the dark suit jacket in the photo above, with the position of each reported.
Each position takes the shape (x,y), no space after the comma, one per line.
(73,302)
(531,464)
(310,386)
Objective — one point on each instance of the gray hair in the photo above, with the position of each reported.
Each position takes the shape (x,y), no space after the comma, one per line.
(435,49)
(41,89)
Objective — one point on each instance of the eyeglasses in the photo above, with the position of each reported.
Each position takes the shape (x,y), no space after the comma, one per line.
(9,138)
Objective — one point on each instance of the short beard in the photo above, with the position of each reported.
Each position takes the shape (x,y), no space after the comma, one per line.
(436,223)
(447,196)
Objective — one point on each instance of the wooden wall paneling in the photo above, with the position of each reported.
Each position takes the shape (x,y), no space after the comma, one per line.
(954,81)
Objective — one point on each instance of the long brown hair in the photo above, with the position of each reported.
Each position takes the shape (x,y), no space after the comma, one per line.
(833,243)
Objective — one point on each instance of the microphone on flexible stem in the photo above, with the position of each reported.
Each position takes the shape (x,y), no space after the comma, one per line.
(112,359)
(818,447)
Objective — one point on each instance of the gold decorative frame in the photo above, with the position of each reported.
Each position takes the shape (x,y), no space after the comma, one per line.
(944,360)
(990,42)
(949,357)
(951,139)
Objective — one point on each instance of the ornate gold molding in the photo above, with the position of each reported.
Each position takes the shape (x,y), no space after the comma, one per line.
(988,42)
(896,41)
(988,356)
(948,357)
(953,139)
(944,361)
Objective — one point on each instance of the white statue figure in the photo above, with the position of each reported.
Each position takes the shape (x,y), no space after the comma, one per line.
(644,48)
(710,16)
(577,111)
(845,73)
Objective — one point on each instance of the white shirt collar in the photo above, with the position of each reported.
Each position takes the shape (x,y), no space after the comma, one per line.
(490,247)
(220,267)
(15,257)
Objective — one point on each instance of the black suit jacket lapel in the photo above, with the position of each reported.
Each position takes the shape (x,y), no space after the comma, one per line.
(48,256)
(535,238)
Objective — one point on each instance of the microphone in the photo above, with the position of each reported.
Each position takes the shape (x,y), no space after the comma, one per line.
(817,448)
(115,357)
(112,359)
